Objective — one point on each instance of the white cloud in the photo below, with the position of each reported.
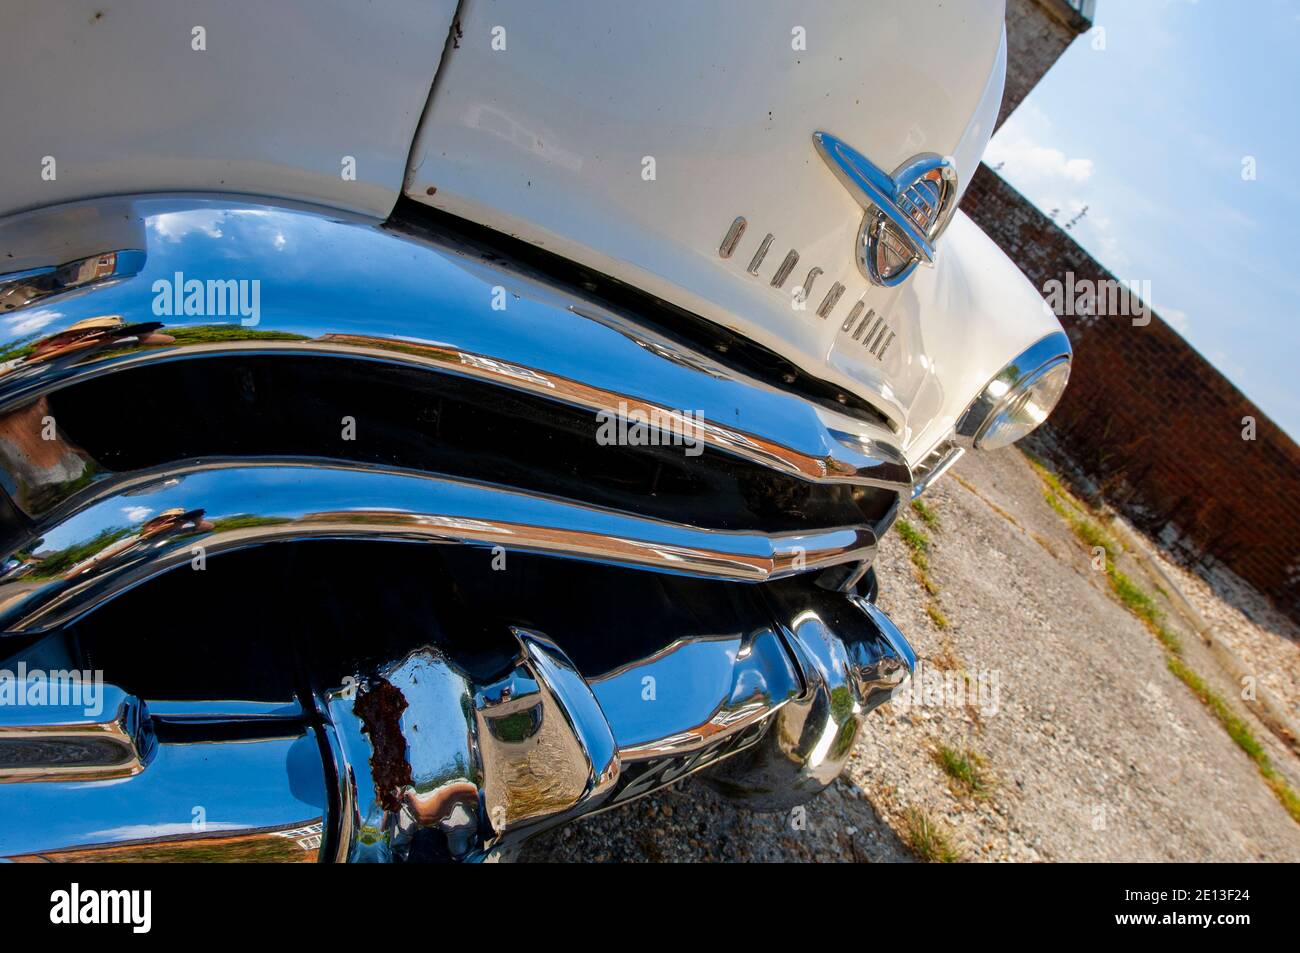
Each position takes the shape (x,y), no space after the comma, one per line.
(1022,157)
(173,226)
(31,321)
(1057,183)
(139,831)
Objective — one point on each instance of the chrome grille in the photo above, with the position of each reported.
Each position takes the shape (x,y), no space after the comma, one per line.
(544,344)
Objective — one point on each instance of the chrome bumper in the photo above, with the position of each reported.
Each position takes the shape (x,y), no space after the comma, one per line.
(418,748)
(774,713)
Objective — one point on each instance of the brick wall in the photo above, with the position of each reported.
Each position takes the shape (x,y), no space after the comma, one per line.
(1035,40)
(1155,423)
(1038,31)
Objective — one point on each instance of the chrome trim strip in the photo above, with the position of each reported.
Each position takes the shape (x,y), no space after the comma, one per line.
(938,462)
(229,505)
(227,711)
(732,237)
(760,254)
(51,741)
(876,463)
(436,307)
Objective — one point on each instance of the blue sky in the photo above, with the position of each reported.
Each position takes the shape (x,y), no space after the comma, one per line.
(1148,121)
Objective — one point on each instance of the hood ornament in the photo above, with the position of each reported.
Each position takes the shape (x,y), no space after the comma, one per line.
(904,213)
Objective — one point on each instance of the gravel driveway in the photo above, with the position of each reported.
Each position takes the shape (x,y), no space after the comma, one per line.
(1084,746)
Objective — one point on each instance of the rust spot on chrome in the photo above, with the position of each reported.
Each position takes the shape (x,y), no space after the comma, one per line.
(380,706)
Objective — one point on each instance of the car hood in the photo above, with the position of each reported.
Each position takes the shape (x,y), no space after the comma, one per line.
(631,141)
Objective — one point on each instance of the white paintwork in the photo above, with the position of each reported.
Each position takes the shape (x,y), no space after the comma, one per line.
(546,139)
(285,89)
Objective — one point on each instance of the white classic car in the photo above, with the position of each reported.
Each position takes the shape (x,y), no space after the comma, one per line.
(423,423)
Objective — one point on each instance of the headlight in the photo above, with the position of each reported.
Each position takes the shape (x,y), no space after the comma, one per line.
(1025,408)
(1020,397)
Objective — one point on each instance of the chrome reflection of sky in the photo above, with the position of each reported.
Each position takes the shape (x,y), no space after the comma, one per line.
(320,275)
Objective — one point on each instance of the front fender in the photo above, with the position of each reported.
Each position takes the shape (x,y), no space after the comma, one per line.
(975,311)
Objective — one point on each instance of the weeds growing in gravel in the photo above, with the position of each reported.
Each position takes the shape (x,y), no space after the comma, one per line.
(919,545)
(1046,475)
(1094,538)
(966,769)
(1138,602)
(916,540)
(927,839)
(1129,593)
(928,516)
(1134,598)
(1239,732)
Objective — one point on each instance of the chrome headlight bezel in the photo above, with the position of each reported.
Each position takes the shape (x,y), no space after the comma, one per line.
(1009,391)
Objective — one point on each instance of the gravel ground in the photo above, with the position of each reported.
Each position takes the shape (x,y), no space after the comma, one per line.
(1091,749)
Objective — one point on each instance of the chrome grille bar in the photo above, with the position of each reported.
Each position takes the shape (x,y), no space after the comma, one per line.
(175,514)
